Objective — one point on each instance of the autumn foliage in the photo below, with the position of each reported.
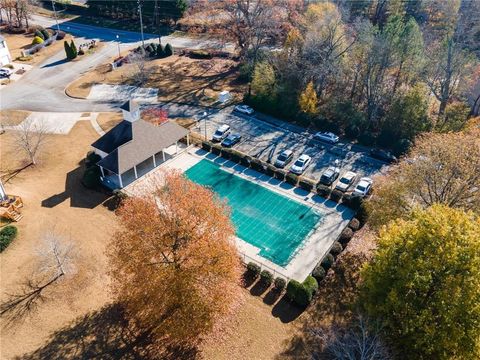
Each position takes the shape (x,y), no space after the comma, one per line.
(174,265)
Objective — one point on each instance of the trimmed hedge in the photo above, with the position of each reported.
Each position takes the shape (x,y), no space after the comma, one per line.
(206,145)
(216,149)
(45,34)
(336,195)
(253,269)
(7,235)
(302,293)
(327,261)
(266,277)
(280,174)
(91,177)
(245,161)
(291,179)
(306,184)
(200,54)
(168,50)
(279,284)
(323,190)
(336,249)
(37,40)
(257,165)
(270,170)
(346,236)
(38,33)
(319,273)
(226,153)
(354,224)
(236,156)
(91,159)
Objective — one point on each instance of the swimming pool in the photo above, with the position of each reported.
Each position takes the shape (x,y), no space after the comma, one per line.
(274,223)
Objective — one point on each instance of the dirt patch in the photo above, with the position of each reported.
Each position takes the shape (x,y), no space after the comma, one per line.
(108,120)
(13,117)
(53,196)
(178,79)
(19,42)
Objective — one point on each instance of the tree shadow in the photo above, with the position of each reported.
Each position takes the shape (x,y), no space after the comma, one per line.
(79,196)
(104,334)
(271,297)
(55,63)
(286,311)
(259,288)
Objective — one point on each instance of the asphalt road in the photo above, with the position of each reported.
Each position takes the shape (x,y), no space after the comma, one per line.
(43,87)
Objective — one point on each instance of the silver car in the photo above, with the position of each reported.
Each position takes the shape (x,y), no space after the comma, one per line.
(284,158)
(328,137)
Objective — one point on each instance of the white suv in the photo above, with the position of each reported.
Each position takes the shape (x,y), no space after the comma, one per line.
(222,132)
(363,187)
(346,181)
(301,164)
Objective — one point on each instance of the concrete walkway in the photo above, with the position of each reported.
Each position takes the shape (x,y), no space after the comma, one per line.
(121,93)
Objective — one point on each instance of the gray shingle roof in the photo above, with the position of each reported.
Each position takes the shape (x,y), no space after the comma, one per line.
(114,138)
(146,140)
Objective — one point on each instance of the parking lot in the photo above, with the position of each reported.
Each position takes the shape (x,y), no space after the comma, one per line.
(266,141)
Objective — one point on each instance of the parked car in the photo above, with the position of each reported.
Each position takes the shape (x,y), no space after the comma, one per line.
(329,175)
(244,109)
(222,132)
(301,164)
(5,72)
(363,187)
(383,155)
(346,181)
(328,137)
(284,158)
(231,140)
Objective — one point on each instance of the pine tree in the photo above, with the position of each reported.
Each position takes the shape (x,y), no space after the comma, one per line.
(168,50)
(73,49)
(68,51)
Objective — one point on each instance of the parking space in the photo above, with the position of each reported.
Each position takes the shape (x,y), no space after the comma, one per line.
(266,141)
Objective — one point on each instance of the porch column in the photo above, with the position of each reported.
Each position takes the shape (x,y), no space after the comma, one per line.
(135,171)
(188,140)
(101,170)
(120,180)
(163,155)
(154,162)
(176,147)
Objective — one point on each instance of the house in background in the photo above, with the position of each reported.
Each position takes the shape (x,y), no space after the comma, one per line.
(135,147)
(5,57)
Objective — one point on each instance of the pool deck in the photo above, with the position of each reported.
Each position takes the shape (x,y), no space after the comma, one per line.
(335,217)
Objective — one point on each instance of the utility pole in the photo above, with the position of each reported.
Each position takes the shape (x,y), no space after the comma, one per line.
(55,13)
(141,24)
(156,16)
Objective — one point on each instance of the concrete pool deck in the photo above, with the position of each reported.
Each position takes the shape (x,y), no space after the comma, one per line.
(335,217)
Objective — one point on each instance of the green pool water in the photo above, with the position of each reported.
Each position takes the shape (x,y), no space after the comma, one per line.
(272,222)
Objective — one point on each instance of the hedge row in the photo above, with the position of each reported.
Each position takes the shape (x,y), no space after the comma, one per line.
(258,165)
(7,234)
(302,293)
(266,277)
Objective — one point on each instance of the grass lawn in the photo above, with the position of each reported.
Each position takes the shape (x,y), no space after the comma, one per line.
(13,117)
(177,78)
(108,120)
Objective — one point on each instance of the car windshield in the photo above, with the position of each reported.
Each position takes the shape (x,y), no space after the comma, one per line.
(282,157)
(361,188)
(345,180)
(299,162)
(218,132)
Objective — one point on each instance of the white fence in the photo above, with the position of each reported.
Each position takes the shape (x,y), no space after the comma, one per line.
(37,47)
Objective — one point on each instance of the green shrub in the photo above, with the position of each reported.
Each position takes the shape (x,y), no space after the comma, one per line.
(60,35)
(73,48)
(354,224)
(38,33)
(306,184)
(216,149)
(304,296)
(319,273)
(346,236)
(266,277)
(91,159)
(206,145)
(327,261)
(336,195)
(9,66)
(160,51)
(168,50)
(291,179)
(236,156)
(336,248)
(257,165)
(311,284)
(253,269)
(245,161)
(367,139)
(37,40)
(270,170)
(293,287)
(280,174)
(352,131)
(362,214)
(81,52)
(323,190)
(91,177)
(7,235)
(352,201)
(401,147)
(226,153)
(279,284)
(200,54)
(45,34)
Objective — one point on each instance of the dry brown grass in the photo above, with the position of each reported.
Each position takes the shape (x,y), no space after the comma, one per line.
(13,117)
(108,120)
(178,79)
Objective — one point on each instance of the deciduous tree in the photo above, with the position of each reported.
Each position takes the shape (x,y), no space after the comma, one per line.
(174,264)
(424,284)
(308,100)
